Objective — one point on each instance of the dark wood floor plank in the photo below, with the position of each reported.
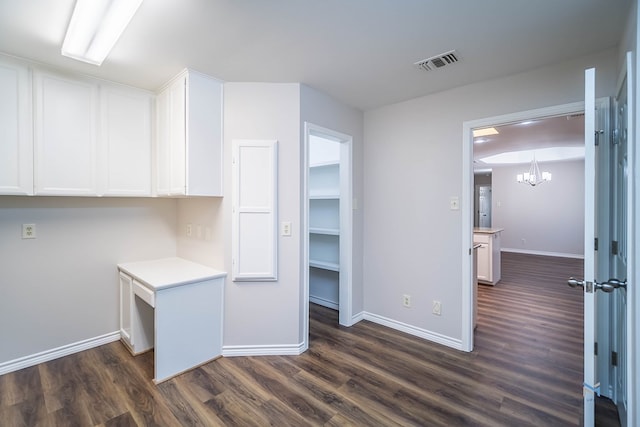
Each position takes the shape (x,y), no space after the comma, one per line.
(525,370)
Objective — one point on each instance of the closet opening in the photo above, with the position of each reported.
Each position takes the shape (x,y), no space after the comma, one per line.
(328,208)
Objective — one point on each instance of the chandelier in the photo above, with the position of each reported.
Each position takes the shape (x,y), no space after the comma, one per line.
(533,177)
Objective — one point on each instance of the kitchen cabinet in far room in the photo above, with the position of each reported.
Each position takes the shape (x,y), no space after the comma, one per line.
(488,254)
(189,137)
(16,131)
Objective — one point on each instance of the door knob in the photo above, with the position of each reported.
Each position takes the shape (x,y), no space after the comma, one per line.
(616,283)
(608,286)
(575,283)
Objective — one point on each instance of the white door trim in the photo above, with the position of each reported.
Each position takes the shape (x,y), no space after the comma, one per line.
(467,199)
(346,226)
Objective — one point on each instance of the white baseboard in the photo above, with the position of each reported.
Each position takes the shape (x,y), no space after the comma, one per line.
(357,318)
(324,302)
(412,330)
(543,253)
(55,353)
(263,350)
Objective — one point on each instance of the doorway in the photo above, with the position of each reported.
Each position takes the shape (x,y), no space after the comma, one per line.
(327,223)
(468,195)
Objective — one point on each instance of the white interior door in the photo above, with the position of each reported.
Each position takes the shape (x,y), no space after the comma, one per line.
(590,385)
(619,248)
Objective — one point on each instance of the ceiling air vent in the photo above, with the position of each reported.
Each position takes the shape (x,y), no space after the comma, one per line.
(438,61)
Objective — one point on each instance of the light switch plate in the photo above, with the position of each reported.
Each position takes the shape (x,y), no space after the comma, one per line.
(454,203)
(286,228)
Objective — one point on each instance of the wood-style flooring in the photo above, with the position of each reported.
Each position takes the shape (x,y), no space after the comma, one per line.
(526,370)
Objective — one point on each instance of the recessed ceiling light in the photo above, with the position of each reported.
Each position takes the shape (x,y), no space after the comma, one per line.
(485,132)
(95,27)
(480,140)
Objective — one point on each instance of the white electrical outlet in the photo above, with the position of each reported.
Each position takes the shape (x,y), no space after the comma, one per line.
(189,230)
(437,308)
(28,231)
(406,300)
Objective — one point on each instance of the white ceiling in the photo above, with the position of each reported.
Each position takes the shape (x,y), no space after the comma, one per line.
(532,137)
(359,51)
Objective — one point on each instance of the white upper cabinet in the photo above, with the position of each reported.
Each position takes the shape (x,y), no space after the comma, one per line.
(189,150)
(65,135)
(16,134)
(125,142)
(92,138)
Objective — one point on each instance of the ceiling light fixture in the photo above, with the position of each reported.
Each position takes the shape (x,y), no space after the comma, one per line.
(484,132)
(533,177)
(95,27)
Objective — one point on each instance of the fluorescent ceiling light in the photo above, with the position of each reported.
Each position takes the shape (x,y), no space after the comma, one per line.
(95,27)
(543,155)
(484,132)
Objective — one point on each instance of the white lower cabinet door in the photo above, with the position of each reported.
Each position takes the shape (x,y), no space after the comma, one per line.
(126,307)
(484,263)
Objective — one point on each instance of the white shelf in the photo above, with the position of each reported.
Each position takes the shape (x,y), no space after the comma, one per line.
(327,231)
(324,196)
(324,265)
(325,164)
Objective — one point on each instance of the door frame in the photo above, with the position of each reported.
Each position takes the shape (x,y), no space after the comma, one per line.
(468,194)
(345,293)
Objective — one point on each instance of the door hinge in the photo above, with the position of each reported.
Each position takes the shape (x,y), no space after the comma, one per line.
(595,348)
(615,137)
(595,244)
(614,358)
(598,133)
(614,247)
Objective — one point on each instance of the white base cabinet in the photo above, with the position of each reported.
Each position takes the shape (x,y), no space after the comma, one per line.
(488,256)
(174,306)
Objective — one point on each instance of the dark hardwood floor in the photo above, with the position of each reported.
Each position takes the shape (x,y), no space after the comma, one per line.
(526,370)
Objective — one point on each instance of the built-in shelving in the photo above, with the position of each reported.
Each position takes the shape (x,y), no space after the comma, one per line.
(324,222)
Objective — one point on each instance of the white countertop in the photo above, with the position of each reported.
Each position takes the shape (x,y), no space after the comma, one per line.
(169,272)
(487,230)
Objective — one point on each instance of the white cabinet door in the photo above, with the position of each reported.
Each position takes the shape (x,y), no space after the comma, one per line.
(171,139)
(484,263)
(204,135)
(254,219)
(16,135)
(65,135)
(189,155)
(125,142)
(126,307)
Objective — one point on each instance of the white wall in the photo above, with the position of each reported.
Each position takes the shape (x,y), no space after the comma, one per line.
(62,287)
(549,217)
(413,165)
(265,315)
(205,245)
